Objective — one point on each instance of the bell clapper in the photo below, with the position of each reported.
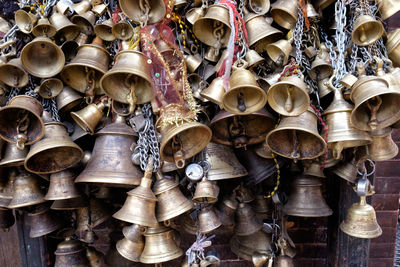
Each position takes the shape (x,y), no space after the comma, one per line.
(289,100)
(22,128)
(295,154)
(90,85)
(177,151)
(374,104)
(241,103)
(131,96)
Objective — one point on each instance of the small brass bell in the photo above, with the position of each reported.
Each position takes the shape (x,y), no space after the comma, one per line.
(136,12)
(85,22)
(69,204)
(193,62)
(284,12)
(246,246)
(42,222)
(323,89)
(208,220)
(189,226)
(50,88)
(66,30)
(122,30)
(382,147)
(63,8)
(366,30)
(131,247)
(212,54)
(62,186)
(193,14)
(104,30)
(6,219)
(70,253)
(7,188)
(197,85)
(262,150)
(306,199)
(320,67)
(387,8)
(25,21)
(260,7)
(44,28)
(82,7)
(279,51)
(88,117)
(13,156)
(215,91)
(13,73)
(226,211)
(346,170)
(205,192)
(311,12)
(313,168)
(247,222)
(26,191)
(99,213)
(160,246)
(393,46)
(67,100)
(244,95)
(253,58)
(289,97)
(322,4)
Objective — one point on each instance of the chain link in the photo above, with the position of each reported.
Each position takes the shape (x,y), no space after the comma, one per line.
(13,93)
(54,110)
(329,45)
(298,33)
(340,37)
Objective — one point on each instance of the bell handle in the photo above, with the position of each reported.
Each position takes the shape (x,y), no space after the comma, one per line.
(20,144)
(240,64)
(337,150)
(167,223)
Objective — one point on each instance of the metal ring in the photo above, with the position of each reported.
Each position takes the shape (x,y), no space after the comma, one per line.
(368,174)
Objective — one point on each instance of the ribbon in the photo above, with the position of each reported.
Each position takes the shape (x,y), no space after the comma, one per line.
(197,248)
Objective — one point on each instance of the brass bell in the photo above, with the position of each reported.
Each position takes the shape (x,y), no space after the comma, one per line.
(215,91)
(204,192)
(66,30)
(13,156)
(197,85)
(246,246)
(131,247)
(311,12)
(84,72)
(120,109)
(320,68)
(69,204)
(393,46)
(179,3)
(44,28)
(212,54)
(313,168)
(366,30)
(361,221)
(110,161)
(98,214)
(253,58)
(259,259)
(283,260)
(323,89)
(82,7)
(6,219)
(194,14)
(13,73)
(279,51)
(62,186)
(42,58)
(160,246)
(260,32)
(136,12)
(260,7)
(182,142)
(104,30)
(7,188)
(140,205)
(208,220)
(382,146)
(26,191)
(346,170)
(244,194)
(284,12)
(88,117)
(247,222)
(25,20)
(387,8)
(70,253)
(42,222)
(50,88)
(224,164)
(306,199)
(122,30)
(128,80)
(297,137)
(171,202)
(289,97)
(238,131)
(214,28)
(322,4)
(263,207)
(193,62)
(95,257)
(67,100)
(56,149)
(21,121)
(63,8)
(244,95)
(226,211)
(85,22)
(263,151)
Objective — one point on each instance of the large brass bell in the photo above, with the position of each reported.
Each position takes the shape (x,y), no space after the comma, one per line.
(25,20)
(387,8)
(393,46)
(279,51)
(136,10)
(284,12)
(366,30)
(110,162)
(21,121)
(7,188)
(26,191)
(224,164)
(244,95)
(85,22)
(247,222)
(13,156)
(306,199)
(160,246)
(62,186)
(13,73)
(66,30)
(88,117)
(205,192)
(208,220)
(215,91)
(297,137)
(70,253)
(6,219)
(44,28)
(214,28)
(382,146)
(54,153)
(42,222)
(226,211)
(67,100)
(246,246)
(289,97)
(104,30)
(131,247)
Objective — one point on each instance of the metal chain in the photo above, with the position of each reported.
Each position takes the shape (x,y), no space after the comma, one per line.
(54,110)
(329,45)
(13,93)
(298,33)
(340,37)
(353,58)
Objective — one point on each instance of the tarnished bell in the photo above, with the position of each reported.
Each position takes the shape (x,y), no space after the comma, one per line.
(346,170)
(259,6)
(134,10)
(69,204)
(204,192)
(393,46)
(313,168)
(66,30)
(88,117)
(208,220)
(244,96)
(104,30)
(6,219)
(214,28)
(247,222)
(67,100)
(44,28)
(55,152)
(306,199)
(95,257)
(226,211)
(25,21)
(246,246)
(320,68)
(13,73)
(224,164)
(289,96)
(284,12)
(42,222)
(361,221)
(160,246)
(122,30)
(13,156)
(297,137)
(49,88)
(7,188)
(110,163)
(85,22)
(215,91)
(171,202)
(62,186)
(70,253)
(12,119)
(131,247)
(26,191)
(382,147)
(99,213)
(279,51)
(263,207)
(366,30)
(388,8)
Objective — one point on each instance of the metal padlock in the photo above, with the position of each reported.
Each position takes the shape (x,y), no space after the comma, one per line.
(138,123)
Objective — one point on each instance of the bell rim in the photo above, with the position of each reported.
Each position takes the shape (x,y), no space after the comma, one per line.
(282,22)
(187,205)
(21,205)
(21,69)
(12,162)
(256,107)
(48,231)
(161,258)
(107,181)
(369,234)
(50,32)
(124,253)
(377,24)
(133,219)
(318,212)
(393,40)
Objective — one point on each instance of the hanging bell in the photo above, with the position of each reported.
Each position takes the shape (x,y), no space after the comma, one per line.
(253,58)
(85,22)
(346,170)
(81,7)
(361,221)
(194,14)
(311,12)
(49,88)
(13,73)
(320,68)
(393,46)
(260,7)
(382,146)
(55,152)
(197,85)
(306,199)
(212,54)
(99,213)
(67,100)
(323,89)
(283,260)
(215,91)
(110,161)
(297,137)
(284,13)
(122,30)
(208,220)
(134,10)
(224,164)
(279,51)
(366,30)
(70,253)
(25,20)
(13,156)
(171,202)
(313,168)
(131,247)
(62,186)
(160,246)
(193,62)
(263,151)
(387,8)
(246,246)
(214,28)
(289,97)
(226,211)
(244,95)
(21,122)
(205,192)
(44,28)
(322,4)
(26,191)
(66,30)
(263,207)
(69,204)
(6,219)
(42,222)
(7,188)
(88,117)
(104,30)
(247,222)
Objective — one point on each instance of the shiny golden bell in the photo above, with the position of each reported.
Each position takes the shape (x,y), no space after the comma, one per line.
(387,8)
(366,30)
(215,91)
(205,192)
(284,12)
(25,21)
(131,247)
(208,220)
(13,73)
(382,147)
(88,117)
(393,46)
(133,10)
(279,51)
